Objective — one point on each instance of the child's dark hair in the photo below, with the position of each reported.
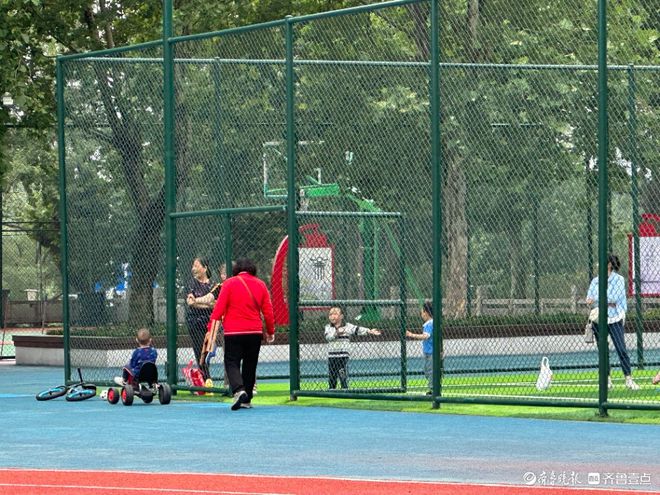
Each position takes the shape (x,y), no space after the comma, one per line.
(427,307)
(614,260)
(335,306)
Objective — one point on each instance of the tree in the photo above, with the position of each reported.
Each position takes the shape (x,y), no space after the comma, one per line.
(380,114)
(115,115)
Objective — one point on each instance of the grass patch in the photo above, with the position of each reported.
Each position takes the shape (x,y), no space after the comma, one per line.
(278,394)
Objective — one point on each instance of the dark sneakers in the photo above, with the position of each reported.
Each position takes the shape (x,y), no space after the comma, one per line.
(240,398)
(247,405)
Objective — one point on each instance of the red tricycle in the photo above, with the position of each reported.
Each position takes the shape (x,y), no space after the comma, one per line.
(144,385)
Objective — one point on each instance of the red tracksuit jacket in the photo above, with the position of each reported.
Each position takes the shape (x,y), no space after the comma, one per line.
(236,308)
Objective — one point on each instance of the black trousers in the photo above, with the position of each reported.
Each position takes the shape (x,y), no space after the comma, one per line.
(617,333)
(338,369)
(241,358)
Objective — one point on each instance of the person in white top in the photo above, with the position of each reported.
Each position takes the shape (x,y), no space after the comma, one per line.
(616,315)
(338,334)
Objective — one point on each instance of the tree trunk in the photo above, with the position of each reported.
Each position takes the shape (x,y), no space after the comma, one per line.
(454,196)
(518,271)
(146,260)
(149,207)
(456,239)
(420,34)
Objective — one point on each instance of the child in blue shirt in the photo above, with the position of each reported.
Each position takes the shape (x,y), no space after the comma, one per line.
(427,341)
(145,353)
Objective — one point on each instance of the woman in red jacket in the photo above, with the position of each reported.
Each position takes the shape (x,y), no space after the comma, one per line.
(243,299)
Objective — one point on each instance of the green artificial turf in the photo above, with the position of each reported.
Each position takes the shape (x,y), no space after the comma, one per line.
(569,385)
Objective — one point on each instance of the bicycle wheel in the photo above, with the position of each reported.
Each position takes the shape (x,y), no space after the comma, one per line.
(52,393)
(81,392)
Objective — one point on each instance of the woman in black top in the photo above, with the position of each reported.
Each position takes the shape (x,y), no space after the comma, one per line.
(208,301)
(197,315)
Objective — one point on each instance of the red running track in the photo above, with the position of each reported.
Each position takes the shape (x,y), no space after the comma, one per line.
(44,482)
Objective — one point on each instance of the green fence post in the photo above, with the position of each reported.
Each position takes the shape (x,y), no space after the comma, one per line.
(368,232)
(64,238)
(603,210)
(218,161)
(536,252)
(2,287)
(590,219)
(468,256)
(403,307)
(170,193)
(229,254)
(220,167)
(632,143)
(292,209)
(436,174)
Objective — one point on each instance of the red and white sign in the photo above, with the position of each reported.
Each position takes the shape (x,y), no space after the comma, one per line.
(649,257)
(316,265)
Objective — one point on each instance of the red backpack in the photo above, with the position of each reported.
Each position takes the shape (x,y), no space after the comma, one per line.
(193,377)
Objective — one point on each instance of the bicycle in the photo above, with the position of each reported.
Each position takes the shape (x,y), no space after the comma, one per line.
(74,393)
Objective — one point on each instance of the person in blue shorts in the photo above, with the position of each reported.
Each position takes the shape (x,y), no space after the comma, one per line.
(145,353)
(427,341)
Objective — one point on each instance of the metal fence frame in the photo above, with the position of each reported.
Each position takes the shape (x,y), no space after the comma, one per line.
(435,67)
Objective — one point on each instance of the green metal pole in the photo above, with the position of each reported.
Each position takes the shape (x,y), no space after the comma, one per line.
(292,208)
(590,221)
(229,254)
(2,287)
(632,152)
(468,274)
(537,252)
(368,267)
(170,192)
(436,172)
(377,277)
(403,307)
(218,162)
(64,238)
(610,235)
(220,166)
(603,201)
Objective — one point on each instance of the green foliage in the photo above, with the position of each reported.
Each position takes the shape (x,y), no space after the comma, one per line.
(499,181)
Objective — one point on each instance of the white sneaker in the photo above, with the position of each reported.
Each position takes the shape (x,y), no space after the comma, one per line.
(239,399)
(610,385)
(630,383)
(119,381)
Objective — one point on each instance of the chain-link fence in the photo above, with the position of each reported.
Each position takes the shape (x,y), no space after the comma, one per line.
(344,103)
(31,284)
(114,206)
(31,290)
